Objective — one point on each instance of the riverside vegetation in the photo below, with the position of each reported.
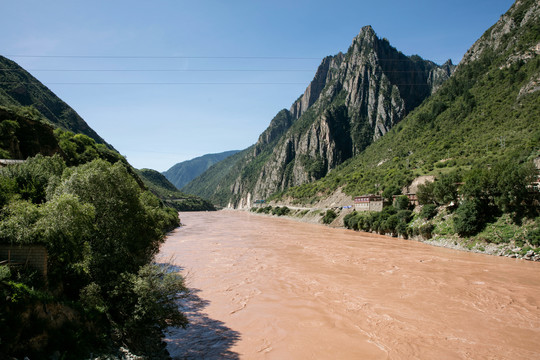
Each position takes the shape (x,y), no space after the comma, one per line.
(479,207)
(101,227)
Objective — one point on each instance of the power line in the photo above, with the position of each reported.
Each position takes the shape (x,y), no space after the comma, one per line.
(170,83)
(193,70)
(187,57)
(152,83)
(165,57)
(161,70)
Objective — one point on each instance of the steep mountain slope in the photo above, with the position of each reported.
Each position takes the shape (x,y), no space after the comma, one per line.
(183,172)
(488,111)
(353,100)
(170,195)
(22,137)
(19,88)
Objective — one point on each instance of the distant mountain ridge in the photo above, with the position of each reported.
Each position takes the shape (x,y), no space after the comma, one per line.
(19,88)
(182,173)
(170,195)
(353,100)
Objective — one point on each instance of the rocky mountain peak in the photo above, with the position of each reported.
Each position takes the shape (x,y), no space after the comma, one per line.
(353,99)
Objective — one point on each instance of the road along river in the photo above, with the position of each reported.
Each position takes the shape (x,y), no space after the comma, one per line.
(273,288)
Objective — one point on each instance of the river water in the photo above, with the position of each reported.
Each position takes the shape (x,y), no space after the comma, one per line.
(273,288)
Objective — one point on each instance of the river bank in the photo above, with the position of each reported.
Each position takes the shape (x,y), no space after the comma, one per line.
(314,215)
(272,288)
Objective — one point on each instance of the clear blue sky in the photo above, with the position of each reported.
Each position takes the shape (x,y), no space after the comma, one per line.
(205,51)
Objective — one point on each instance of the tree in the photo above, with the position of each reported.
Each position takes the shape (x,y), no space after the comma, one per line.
(125,236)
(65,226)
(468,219)
(329,216)
(428,211)
(425,193)
(402,202)
(502,187)
(445,189)
(511,186)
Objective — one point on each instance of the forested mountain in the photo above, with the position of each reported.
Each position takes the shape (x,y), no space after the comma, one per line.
(353,100)
(19,88)
(182,173)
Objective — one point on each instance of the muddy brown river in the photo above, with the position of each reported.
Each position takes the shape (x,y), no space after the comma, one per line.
(273,288)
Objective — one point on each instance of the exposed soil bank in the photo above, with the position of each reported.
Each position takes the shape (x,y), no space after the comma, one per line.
(272,288)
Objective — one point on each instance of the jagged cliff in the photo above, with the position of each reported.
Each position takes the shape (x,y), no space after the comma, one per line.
(487,113)
(353,100)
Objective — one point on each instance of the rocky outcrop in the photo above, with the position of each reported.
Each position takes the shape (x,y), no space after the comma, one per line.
(278,126)
(27,138)
(325,73)
(353,100)
(522,16)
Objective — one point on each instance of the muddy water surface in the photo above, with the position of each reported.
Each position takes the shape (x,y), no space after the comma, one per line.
(272,288)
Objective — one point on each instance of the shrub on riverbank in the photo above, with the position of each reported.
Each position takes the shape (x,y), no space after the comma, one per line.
(389,221)
(281,211)
(329,216)
(101,230)
(278,210)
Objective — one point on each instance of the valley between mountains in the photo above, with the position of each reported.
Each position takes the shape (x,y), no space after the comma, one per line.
(101,260)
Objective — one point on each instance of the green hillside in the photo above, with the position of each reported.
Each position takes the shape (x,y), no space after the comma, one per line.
(19,88)
(170,195)
(182,173)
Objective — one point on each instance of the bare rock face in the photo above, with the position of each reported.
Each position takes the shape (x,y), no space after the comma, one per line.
(325,74)
(353,100)
(521,15)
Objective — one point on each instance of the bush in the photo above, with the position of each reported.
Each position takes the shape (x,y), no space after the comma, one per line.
(468,219)
(533,237)
(428,211)
(426,230)
(264,210)
(149,300)
(350,220)
(402,202)
(329,216)
(281,211)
